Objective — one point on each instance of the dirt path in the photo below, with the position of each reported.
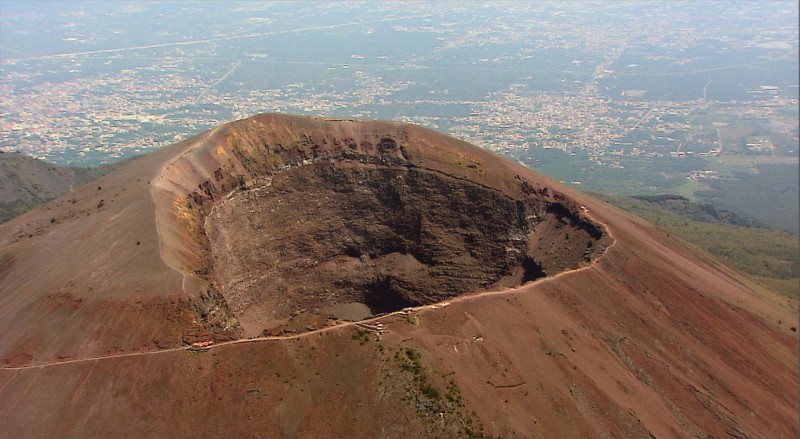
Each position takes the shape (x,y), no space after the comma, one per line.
(418,309)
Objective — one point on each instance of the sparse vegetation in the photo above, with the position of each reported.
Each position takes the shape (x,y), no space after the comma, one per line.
(444,412)
(361,335)
(768,257)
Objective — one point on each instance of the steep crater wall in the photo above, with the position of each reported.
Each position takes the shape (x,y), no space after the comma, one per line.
(358,213)
(388,237)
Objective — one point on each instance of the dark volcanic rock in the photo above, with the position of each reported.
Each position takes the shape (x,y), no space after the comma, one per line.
(389,237)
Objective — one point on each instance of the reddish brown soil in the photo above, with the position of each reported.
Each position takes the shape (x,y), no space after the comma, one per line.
(654,338)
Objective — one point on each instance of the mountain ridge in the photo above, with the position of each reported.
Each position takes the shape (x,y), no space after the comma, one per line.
(26,182)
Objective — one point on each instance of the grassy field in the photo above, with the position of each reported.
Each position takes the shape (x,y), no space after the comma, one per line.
(768,257)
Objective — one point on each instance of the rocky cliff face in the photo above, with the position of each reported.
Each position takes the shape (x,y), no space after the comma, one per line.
(333,212)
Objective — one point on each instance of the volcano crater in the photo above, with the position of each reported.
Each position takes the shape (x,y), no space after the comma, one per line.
(366,213)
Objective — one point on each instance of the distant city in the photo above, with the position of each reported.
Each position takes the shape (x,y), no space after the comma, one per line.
(696,98)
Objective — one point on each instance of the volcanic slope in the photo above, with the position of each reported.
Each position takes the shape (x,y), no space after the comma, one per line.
(566,317)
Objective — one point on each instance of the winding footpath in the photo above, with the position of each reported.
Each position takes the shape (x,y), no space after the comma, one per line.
(338,326)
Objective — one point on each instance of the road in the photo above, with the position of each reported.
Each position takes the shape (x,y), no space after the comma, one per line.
(214,40)
(219,81)
(715,69)
(216,345)
(418,310)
